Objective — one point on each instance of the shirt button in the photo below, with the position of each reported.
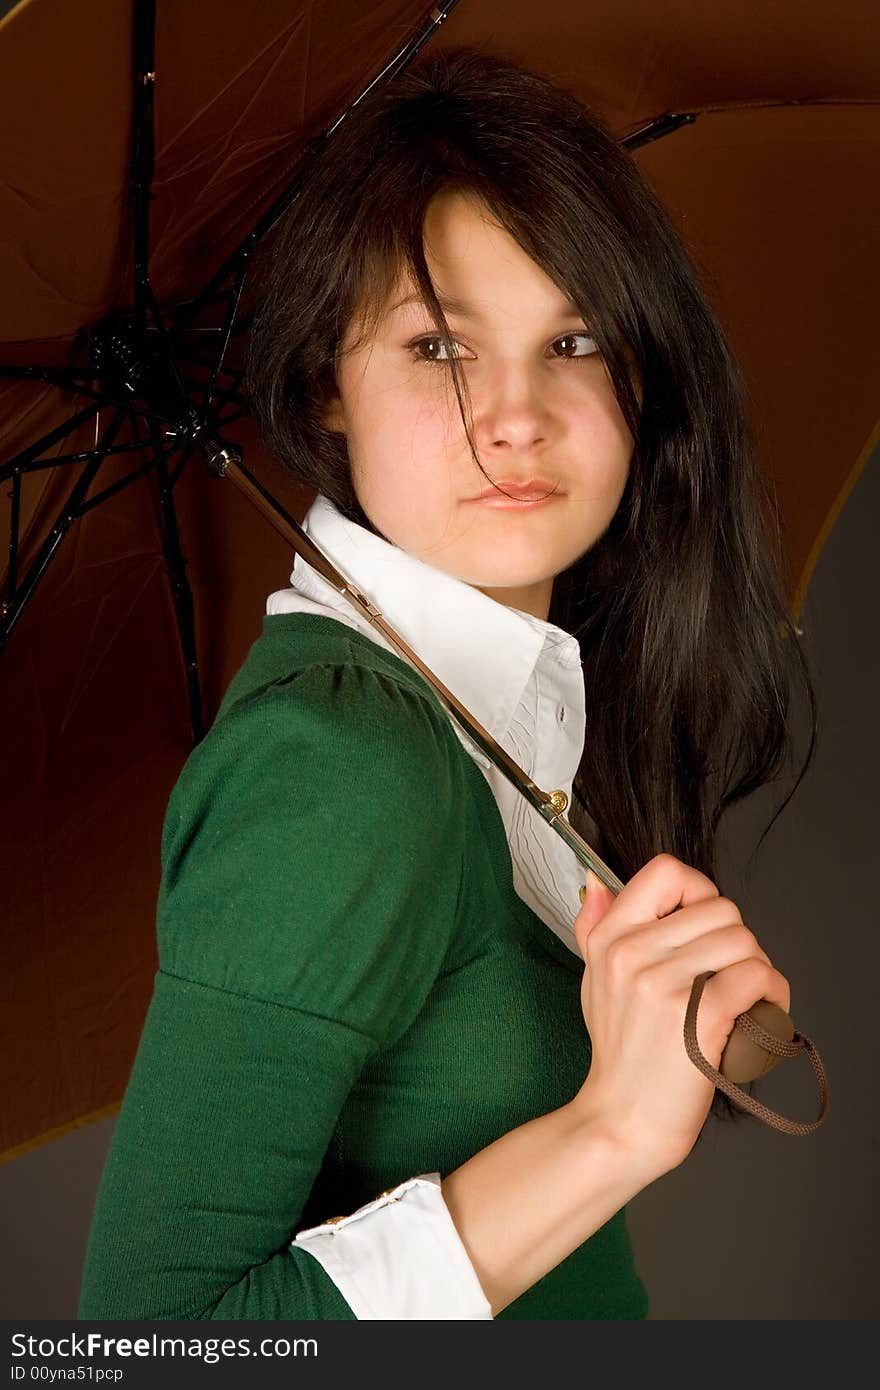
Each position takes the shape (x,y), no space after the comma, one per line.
(560,714)
(582,892)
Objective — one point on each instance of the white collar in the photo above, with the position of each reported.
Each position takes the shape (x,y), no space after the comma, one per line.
(483,651)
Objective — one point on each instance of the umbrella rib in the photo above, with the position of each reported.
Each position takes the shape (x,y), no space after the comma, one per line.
(13,607)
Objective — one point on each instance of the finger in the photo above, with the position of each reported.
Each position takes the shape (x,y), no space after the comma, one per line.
(733,991)
(744,982)
(643,955)
(662,886)
(726,944)
(597,901)
(680,928)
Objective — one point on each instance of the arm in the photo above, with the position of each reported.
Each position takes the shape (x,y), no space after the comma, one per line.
(296,940)
(524,1203)
(217,1140)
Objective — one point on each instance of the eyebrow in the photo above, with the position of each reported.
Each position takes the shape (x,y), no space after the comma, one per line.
(457,307)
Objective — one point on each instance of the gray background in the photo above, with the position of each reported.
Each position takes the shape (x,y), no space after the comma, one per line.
(755,1224)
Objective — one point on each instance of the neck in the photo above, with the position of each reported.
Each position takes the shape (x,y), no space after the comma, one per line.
(530,598)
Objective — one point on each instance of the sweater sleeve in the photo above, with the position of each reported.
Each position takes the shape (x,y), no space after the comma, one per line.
(311,866)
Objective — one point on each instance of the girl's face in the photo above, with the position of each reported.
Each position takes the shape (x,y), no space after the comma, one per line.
(544,414)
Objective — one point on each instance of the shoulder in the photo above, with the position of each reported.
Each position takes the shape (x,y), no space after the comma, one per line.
(312,678)
(318,714)
(326,664)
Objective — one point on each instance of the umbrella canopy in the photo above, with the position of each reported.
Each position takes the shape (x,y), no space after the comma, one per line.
(768,175)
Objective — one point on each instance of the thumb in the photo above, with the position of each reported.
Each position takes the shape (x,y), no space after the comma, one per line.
(597,900)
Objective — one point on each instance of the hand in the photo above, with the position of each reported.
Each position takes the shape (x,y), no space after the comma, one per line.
(642,951)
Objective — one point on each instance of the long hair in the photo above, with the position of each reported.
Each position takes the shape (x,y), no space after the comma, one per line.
(679,608)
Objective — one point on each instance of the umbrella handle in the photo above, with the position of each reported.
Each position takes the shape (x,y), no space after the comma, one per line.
(760,1038)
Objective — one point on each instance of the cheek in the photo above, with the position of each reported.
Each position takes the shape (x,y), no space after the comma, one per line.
(609,443)
(400,446)
(405,492)
(411,422)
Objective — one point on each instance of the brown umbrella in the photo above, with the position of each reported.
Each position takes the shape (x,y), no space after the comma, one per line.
(758,129)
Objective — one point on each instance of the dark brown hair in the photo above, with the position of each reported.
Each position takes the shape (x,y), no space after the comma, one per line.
(687,645)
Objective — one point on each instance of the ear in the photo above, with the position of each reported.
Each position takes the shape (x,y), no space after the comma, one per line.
(333,415)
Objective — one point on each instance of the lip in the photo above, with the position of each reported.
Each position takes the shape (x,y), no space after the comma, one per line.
(534,493)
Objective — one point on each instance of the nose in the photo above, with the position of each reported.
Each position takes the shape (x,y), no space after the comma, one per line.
(511,408)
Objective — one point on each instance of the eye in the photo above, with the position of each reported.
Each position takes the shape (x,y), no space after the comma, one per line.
(569,337)
(431,340)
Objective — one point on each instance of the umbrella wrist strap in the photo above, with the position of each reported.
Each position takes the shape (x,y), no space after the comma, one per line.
(770,1043)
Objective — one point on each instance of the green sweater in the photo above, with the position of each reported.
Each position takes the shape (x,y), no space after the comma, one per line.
(349,993)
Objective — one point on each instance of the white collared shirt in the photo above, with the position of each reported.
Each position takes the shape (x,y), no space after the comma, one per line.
(522,679)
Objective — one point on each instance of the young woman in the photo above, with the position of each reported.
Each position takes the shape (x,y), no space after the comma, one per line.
(376,1079)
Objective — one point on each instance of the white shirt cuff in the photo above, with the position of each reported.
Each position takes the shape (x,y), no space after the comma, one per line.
(400,1256)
